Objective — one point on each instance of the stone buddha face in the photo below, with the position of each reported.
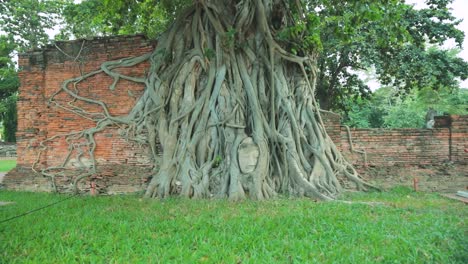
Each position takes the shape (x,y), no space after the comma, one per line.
(248,155)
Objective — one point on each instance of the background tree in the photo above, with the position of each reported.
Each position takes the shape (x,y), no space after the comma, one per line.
(28,20)
(349,36)
(24,25)
(387,107)
(97,17)
(9,84)
(393,38)
(352,34)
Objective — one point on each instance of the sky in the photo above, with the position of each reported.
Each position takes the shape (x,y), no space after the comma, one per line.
(459,10)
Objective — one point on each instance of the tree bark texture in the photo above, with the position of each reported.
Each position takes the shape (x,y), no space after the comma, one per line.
(235,112)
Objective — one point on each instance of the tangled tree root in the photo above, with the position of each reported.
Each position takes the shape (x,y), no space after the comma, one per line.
(235,113)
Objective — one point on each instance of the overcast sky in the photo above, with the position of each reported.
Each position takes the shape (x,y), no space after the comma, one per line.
(459,10)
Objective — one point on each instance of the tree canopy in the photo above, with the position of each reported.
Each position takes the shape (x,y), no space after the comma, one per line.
(391,37)
(24,25)
(28,20)
(107,17)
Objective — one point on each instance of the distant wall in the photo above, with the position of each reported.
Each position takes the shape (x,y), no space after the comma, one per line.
(435,158)
(7,150)
(459,139)
(389,147)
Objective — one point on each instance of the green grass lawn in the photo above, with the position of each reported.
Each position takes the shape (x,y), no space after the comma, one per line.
(409,228)
(6,165)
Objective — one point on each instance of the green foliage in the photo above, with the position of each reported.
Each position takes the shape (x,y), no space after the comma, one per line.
(410,227)
(369,112)
(229,37)
(8,116)
(96,17)
(349,36)
(352,33)
(82,20)
(217,161)
(365,114)
(209,53)
(413,68)
(434,24)
(303,36)
(7,165)
(28,20)
(25,23)
(387,108)
(389,36)
(420,62)
(9,83)
(407,113)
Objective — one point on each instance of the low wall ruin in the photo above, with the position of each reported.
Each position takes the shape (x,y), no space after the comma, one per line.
(7,150)
(436,158)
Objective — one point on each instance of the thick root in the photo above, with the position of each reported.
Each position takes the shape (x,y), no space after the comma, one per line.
(235,113)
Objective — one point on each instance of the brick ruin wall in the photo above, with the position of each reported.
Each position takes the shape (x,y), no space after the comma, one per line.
(437,157)
(123,166)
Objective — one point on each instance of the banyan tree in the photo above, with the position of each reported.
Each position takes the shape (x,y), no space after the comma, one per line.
(233,105)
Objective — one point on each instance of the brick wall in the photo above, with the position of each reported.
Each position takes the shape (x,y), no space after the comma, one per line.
(447,142)
(332,124)
(459,139)
(436,158)
(43,71)
(124,166)
(398,146)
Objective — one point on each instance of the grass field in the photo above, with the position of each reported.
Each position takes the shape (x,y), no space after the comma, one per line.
(6,165)
(408,228)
